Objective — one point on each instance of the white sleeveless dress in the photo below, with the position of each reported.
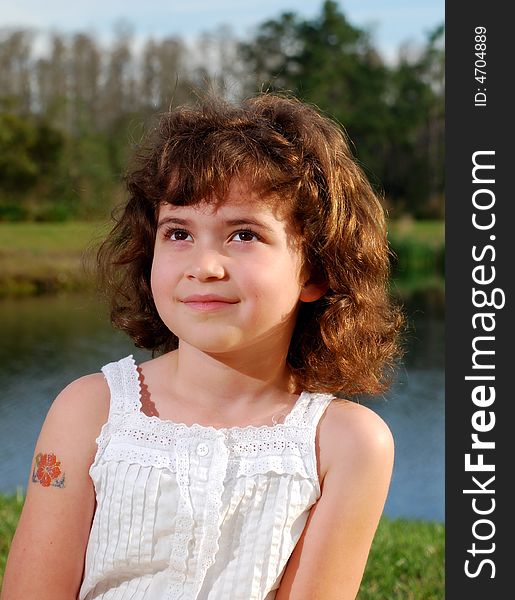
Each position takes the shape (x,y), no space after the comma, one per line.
(193,512)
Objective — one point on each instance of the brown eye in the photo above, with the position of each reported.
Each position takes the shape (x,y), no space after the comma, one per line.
(245,236)
(178,235)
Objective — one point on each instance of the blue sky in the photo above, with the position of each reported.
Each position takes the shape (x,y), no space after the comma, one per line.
(392,22)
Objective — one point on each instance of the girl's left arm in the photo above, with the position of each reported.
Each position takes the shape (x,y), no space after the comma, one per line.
(356,458)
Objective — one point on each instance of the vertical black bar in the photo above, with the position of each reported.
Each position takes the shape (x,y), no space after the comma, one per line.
(480,246)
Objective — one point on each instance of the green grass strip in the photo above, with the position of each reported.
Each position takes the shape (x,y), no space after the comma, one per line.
(10,509)
(406,561)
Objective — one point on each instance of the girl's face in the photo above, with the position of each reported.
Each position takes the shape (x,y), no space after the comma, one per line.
(229,277)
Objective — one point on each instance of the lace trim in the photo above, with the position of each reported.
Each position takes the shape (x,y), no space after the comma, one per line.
(287,447)
(280,465)
(132,384)
(209,544)
(183,526)
(135,439)
(137,427)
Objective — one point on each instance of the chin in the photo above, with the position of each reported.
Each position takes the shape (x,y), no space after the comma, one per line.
(214,344)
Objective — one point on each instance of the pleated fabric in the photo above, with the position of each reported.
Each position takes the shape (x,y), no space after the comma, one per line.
(187,512)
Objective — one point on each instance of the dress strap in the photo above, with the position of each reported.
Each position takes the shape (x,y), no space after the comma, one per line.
(309,409)
(306,415)
(123,380)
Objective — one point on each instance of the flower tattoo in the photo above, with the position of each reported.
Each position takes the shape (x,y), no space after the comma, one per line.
(47,471)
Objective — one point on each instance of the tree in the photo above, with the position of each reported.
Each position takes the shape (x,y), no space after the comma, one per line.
(343,74)
(119,93)
(52,85)
(273,54)
(85,72)
(393,115)
(330,63)
(96,102)
(413,172)
(15,70)
(30,154)
(219,67)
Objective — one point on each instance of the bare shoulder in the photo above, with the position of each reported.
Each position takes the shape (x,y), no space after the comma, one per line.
(89,394)
(351,434)
(74,421)
(83,403)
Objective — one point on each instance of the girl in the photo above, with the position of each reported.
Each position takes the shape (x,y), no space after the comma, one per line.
(251,258)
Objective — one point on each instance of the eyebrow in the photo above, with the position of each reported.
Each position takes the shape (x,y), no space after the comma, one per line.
(230,222)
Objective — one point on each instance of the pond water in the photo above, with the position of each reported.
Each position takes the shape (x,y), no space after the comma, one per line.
(49,341)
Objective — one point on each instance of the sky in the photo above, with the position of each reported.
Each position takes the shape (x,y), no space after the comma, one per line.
(392,22)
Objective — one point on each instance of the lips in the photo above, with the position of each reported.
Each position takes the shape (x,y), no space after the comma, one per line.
(208,302)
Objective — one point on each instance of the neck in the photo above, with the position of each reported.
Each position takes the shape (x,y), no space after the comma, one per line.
(231,381)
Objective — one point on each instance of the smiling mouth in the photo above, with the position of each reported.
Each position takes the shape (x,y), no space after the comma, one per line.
(208,304)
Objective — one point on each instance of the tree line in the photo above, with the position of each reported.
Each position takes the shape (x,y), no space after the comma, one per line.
(71,113)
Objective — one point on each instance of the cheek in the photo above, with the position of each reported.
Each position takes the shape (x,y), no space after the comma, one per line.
(154,276)
(278,285)
(160,276)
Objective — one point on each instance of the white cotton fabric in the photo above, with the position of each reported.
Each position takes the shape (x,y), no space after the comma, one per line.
(193,512)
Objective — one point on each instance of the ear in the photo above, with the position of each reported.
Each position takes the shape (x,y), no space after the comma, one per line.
(313,289)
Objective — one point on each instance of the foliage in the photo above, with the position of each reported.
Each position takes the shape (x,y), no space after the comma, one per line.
(28,147)
(69,118)
(393,114)
(418,248)
(30,152)
(414,172)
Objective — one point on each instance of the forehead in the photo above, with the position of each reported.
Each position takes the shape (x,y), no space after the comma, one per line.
(242,199)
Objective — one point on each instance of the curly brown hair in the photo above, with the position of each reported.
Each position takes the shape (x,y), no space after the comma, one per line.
(347,341)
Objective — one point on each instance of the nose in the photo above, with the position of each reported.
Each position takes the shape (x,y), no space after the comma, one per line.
(206,265)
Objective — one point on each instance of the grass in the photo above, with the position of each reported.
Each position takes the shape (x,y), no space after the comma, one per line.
(39,258)
(45,257)
(10,509)
(406,561)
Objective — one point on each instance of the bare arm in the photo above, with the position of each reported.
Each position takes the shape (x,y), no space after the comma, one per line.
(329,560)
(46,558)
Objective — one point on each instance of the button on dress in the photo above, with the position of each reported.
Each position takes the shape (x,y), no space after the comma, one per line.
(190,512)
